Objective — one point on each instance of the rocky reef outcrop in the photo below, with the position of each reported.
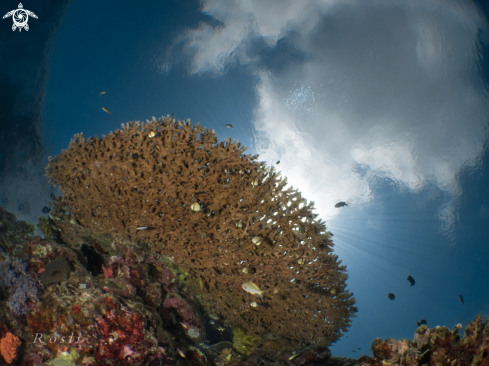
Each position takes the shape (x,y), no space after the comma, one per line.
(434,346)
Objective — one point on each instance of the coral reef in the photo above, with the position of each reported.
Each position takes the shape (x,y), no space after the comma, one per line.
(56,271)
(18,286)
(169,190)
(435,346)
(243,343)
(13,232)
(24,288)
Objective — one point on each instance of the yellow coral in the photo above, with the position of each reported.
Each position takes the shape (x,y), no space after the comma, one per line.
(243,342)
(45,227)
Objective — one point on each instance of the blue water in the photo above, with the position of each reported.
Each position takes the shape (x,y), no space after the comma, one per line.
(383,105)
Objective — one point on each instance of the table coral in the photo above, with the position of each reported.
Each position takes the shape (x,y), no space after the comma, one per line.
(141,184)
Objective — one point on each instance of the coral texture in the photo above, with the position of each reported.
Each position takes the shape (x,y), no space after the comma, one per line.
(13,232)
(56,271)
(435,346)
(22,287)
(222,217)
(8,347)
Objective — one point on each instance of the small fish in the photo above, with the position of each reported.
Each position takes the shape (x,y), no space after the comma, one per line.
(359,348)
(46,209)
(254,304)
(102,92)
(411,280)
(252,288)
(341,204)
(228,125)
(391,296)
(142,228)
(293,356)
(183,325)
(173,117)
(180,353)
(220,329)
(353,350)
(421,322)
(461,299)
(278,162)
(106,110)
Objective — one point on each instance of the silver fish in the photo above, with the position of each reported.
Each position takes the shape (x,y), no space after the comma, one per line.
(250,287)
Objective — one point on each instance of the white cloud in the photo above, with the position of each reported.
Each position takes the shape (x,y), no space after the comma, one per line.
(388,86)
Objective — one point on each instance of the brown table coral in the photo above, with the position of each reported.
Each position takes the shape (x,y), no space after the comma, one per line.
(219,215)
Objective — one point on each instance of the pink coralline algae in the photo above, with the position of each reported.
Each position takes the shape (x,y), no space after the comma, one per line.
(122,334)
(189,319)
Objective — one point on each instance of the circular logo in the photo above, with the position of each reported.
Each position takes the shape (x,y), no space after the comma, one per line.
(20,18)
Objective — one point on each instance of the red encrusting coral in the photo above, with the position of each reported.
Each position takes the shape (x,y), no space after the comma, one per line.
(121,335)
(9,346)
(189,319)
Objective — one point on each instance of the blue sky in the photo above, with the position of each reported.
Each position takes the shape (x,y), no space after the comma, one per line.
(378,103)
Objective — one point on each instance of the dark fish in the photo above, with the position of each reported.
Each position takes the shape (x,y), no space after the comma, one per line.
(278,162)
(106,110)
(340,204)
(391,296)
(46,209)
(359,348)
(411,280)
(353,350)
(422,321)
(228,125)
(461,299)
